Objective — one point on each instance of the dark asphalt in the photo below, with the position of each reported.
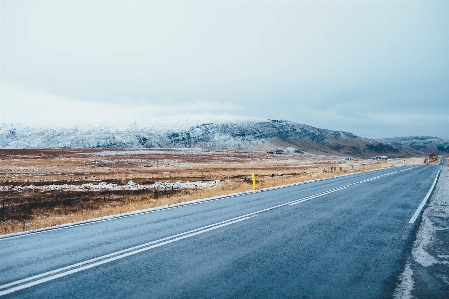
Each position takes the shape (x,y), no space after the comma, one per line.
(348,243)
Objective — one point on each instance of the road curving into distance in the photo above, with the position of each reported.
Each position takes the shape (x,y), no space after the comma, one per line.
(345,237)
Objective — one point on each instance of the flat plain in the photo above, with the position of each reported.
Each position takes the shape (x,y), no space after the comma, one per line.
(46,187)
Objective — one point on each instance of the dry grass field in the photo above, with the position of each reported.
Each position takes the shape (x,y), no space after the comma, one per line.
(46,187)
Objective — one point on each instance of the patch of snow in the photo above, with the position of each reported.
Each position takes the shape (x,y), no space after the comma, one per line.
(164,151)
(425,237)
(102,186)
(185,185)
(404,290)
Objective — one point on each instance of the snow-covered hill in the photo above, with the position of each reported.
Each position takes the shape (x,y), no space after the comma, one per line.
(425,144)
(204,132)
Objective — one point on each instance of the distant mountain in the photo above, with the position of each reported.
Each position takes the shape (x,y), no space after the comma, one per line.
(214,133)
(424,144)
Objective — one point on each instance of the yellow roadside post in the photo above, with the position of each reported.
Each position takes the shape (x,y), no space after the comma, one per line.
(382,164)
(254,182)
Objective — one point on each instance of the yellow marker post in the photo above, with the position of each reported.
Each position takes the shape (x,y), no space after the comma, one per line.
(383,165)
(254,182)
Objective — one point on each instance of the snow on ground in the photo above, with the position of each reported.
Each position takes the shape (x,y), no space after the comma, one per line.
(102,186)
(403,291)
(160,151)
(426,274)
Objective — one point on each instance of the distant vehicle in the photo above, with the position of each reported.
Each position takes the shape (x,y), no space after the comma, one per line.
(279,152)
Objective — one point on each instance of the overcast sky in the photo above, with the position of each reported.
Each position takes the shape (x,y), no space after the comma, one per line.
(376,69)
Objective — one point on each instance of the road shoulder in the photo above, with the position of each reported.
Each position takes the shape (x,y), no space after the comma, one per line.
(426,273)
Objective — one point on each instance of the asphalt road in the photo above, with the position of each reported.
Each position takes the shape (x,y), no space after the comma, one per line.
(345,237)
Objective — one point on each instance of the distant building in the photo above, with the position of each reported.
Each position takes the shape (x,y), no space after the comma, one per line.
(379,158)
(297,151)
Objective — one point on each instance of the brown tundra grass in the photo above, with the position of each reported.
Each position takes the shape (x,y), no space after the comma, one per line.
(33,209)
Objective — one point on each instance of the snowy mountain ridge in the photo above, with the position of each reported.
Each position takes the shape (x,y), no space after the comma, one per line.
(204,132)
(160,125)
(425,144)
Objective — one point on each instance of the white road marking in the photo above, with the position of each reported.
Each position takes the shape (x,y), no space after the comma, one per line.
(58,273)
(336,189)
(421,206)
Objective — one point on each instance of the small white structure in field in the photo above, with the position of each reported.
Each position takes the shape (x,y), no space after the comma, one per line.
(380,158)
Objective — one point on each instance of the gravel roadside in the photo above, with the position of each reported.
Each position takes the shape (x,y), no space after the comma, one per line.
(426,273)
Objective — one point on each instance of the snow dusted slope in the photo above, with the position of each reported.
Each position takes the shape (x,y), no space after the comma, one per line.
(204,132)
(425,144)
(136,135)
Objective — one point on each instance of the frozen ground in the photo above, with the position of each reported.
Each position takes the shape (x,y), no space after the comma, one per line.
(426,274)
(163,151)
(102,186)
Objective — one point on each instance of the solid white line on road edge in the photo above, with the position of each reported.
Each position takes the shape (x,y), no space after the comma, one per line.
(58,273)
(421,206)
